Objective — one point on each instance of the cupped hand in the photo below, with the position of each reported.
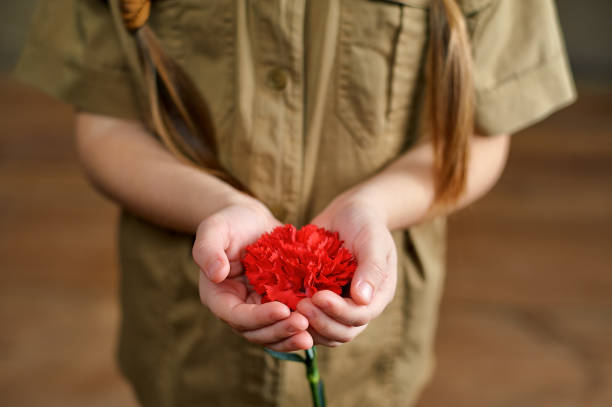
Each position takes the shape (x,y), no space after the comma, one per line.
(334,320)
(218,248)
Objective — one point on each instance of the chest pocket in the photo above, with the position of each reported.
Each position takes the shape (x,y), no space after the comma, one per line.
(380,52)
(380,58)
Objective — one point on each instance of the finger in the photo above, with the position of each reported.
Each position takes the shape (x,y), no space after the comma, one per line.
(344,310)
(235,269)
(299,341)
(231,307)
(325,326)
(375,258)
(248,317)
(321,340)
(253,298)
(212,239)
(278,331)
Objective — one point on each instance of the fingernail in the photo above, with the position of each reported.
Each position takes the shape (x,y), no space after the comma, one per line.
(365,291)
(291,329)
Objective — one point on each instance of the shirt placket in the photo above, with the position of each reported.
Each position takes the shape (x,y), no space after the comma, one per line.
(278,29)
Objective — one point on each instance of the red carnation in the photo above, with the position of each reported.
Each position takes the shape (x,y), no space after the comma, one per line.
(287,265)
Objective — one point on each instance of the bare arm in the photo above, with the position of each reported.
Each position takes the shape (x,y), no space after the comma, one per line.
(403,193)
(397,197)
(128,165)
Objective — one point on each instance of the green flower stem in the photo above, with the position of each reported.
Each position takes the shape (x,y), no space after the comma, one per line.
(314,379)
(312,372)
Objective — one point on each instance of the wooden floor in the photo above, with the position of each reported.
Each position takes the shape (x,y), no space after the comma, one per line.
(527,315)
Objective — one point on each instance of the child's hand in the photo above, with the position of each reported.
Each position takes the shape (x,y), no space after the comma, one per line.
(220,241)
(335,320)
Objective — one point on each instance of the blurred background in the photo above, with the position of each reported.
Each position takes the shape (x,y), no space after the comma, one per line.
(526,319)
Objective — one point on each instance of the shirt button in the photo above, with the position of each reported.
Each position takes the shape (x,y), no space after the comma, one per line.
(277,79)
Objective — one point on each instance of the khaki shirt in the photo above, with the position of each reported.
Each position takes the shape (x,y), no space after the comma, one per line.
(309,97)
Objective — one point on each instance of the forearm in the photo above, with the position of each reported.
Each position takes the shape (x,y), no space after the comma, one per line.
(403,193)
(125,163)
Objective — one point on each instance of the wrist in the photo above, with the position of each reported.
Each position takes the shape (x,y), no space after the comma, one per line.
(399,200)
(361,200)
(237,198)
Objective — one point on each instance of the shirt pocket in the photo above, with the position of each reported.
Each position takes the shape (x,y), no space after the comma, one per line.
(380,59)
(380,53)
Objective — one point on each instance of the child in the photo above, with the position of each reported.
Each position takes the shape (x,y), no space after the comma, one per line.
(355,115)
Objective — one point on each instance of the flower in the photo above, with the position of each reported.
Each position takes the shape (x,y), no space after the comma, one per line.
(288,265)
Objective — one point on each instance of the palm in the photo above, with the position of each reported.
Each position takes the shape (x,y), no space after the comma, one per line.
(236,289)
(220,243)
(225,235)
(359,229)
(334,320)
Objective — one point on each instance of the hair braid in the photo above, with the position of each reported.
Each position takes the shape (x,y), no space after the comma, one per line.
(450,99)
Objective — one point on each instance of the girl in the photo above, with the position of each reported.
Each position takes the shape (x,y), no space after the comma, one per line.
(371,118)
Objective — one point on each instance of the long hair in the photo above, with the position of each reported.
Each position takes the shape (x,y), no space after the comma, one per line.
(178,114)
(449,106)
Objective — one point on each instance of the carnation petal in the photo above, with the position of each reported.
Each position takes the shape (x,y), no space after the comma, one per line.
(288,265)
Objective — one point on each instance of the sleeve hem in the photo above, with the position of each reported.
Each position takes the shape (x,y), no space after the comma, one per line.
(525,99)
(109,93)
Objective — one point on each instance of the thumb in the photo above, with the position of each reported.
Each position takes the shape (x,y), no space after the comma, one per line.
(212,239)
(373,269)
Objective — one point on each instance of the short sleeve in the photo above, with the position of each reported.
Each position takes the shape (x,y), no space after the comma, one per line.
(521,69)
(73,53)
